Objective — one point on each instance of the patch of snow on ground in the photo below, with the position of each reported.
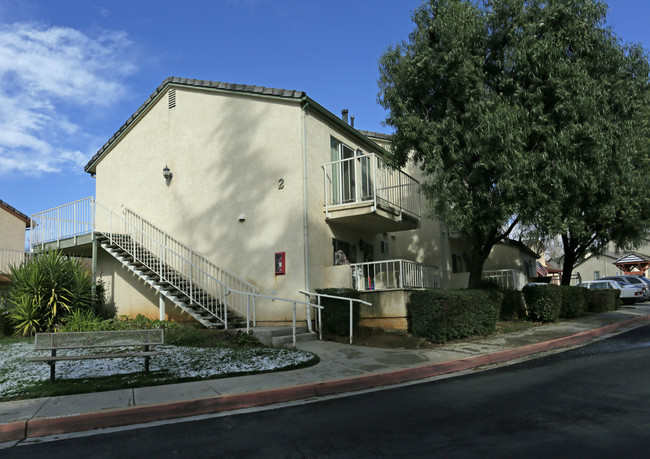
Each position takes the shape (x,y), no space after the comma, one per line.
(16,370)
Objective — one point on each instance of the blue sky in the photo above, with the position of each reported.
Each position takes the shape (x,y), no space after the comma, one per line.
(73,71)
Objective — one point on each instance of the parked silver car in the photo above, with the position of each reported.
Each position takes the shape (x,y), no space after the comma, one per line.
(630,294)
(633,280)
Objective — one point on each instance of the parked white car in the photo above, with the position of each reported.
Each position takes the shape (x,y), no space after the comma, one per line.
(630,294)
(634,280)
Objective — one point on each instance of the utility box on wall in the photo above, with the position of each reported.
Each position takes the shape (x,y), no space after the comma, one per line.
(280,263)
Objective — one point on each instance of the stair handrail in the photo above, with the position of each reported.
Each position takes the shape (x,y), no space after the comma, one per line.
(194,254)
(170,261)
(223,275)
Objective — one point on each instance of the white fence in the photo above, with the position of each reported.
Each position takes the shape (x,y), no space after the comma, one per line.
(10,258)
(393,274)
(506,278)
(368,179)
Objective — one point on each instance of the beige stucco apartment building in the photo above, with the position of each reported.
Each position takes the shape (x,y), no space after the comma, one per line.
(274,188)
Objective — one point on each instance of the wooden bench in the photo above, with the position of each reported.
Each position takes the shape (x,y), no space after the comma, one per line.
(103,339)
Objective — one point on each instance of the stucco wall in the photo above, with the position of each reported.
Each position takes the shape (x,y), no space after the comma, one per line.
(603,264)
(227,154)
(12,231)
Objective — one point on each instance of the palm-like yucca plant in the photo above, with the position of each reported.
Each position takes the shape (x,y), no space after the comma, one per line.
(54,284)
(25,313)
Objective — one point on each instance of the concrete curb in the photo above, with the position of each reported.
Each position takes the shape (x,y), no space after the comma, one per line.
(39,427)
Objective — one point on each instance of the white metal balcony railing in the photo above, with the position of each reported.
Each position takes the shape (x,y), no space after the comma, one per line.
(67,221)
(394,274)
(368,179)
(10,258)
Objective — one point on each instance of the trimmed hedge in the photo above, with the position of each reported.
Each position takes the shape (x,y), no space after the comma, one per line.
(336,313)
(603,300)
(543,302)
(574,301)
(443,315)
(513,306)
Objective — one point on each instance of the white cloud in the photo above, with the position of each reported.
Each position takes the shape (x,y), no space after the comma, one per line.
(50,77)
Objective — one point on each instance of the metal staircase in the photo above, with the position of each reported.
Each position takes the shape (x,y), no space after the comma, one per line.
(209,293)
(160,280)
(206,291)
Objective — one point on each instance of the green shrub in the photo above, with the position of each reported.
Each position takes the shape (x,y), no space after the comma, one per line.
(603,300)
(444,315)
(336,313)
(543,302)
(44,292)
(513,306)
(574,301)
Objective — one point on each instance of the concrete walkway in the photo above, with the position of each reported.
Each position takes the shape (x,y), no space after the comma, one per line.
(342,368)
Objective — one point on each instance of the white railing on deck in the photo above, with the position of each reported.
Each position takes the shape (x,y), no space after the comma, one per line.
(506,278)
(66,221)
(392,274)
(10,258)
(368,179)
(212,290)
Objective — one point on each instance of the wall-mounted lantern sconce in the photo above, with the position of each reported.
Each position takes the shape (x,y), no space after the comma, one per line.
(167,174)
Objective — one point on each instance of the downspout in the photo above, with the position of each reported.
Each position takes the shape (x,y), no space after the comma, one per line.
(304,194)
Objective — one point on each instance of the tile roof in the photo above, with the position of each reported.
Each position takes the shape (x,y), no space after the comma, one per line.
(243,88)
(377,135)
(16,212)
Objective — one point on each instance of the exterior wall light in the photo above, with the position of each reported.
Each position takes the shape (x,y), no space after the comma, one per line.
(167,174)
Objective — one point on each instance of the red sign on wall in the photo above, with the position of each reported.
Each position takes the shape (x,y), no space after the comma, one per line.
(280,263)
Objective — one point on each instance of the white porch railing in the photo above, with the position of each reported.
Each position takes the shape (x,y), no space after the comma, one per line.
(506,278)
(368,179)
(10,258)
(393,274)
(63,222)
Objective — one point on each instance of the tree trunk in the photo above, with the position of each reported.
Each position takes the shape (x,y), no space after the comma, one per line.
(569,261)
(477,258)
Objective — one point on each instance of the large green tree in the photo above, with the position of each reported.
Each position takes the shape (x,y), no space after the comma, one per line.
(517,110)
(589,96)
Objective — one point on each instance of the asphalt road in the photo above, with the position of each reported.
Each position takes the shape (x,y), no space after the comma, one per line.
(593,402)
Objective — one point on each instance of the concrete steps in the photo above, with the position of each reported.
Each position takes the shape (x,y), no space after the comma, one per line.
(282,336)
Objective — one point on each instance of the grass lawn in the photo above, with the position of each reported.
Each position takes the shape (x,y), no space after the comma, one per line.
(21,379)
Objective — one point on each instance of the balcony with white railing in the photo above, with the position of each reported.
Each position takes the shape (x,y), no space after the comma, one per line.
(367,193)
(69,225)
(394,274)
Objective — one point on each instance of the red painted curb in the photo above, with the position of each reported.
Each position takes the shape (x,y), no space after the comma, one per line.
(159,412)
(13,431)
(141,414)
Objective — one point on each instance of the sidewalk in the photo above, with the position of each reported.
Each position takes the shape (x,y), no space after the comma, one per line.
(342,368)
